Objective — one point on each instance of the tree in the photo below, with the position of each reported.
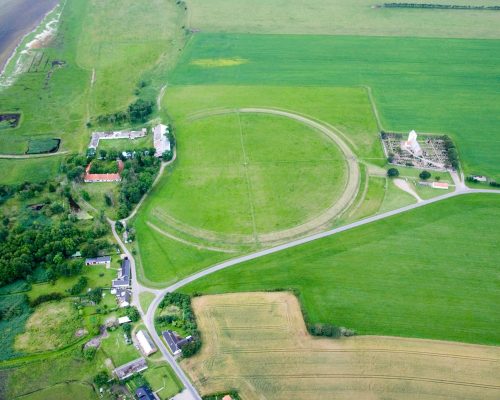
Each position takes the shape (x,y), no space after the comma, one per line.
(101,379)
(392,172)
(127,328)
(133,314)
(85,195)
(140,110)
(167,155)
(119,226)
(89,353)
(108,200)
(424,175)
(103,153)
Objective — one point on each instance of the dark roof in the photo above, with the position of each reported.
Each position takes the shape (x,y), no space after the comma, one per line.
(131,368)
(124,274)
(144,393)
(174,341)
(98,260)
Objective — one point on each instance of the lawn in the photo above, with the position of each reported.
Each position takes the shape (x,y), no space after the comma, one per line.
(115,348)
(257,344)
(145,299)
(430,85)
(401,276)
(340,17)
(163,380)
(126,144)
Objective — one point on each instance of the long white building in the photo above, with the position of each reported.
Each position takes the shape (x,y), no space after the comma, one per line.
(161,142)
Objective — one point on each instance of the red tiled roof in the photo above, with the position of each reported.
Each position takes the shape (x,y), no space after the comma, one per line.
(103,177)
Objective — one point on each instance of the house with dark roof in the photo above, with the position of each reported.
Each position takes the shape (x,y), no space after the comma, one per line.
(124,275)
(175,342)
(144,393)
(98,260)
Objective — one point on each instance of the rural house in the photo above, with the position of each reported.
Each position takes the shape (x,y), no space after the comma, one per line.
(131,368)
(106,260)
(144,393)
(161,142)
(123,279)
(175,342)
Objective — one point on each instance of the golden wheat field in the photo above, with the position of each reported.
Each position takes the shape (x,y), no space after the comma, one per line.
(257,343)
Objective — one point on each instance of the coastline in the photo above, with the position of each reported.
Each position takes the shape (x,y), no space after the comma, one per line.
(20,39)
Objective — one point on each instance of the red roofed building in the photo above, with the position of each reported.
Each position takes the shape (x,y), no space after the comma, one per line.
(103,177)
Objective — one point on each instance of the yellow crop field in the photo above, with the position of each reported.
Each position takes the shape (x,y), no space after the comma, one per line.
(257,343)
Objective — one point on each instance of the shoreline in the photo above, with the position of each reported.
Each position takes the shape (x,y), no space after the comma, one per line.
(32,30)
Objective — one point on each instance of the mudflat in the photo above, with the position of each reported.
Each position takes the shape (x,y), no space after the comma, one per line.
(17,18)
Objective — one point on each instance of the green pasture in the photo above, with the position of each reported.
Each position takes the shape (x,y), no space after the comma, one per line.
(249,173)
(430,85)
(423,273)
(64,391)
(146,298)
(53,375)
(31,169)
(340,17)
(121,40)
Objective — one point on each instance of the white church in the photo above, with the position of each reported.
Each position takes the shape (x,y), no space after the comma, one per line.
(411,145)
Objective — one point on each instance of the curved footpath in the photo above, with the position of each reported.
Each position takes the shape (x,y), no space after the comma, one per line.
(190,391)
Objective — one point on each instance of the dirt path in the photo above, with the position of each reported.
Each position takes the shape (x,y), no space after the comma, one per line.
(160,96)
(27,156)
(405,187)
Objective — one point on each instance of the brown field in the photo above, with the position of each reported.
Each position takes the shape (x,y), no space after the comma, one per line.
(257,343)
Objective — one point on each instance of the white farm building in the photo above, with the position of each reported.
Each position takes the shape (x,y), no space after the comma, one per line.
(145,343)
(161,142)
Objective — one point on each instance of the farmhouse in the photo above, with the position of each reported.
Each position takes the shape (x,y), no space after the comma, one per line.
(123,297)
(90,178)
(161,142)
(145,343)
(106,260)
(123,279)
(175,342)
(131,368)
(98,136)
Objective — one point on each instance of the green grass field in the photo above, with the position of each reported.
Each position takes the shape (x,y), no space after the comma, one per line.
(31,170)
(115,39)
(64,391)
(409,275)
(163,379)
(126,144)
(430,85)
(340,17)
(115,348)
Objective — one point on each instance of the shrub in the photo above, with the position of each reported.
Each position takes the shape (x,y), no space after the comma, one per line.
(424,175)
(392,172)
(44,298)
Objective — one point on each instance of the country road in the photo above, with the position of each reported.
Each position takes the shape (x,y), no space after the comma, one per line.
(148,315)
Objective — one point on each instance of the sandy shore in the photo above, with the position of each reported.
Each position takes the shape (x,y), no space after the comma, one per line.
(17,19)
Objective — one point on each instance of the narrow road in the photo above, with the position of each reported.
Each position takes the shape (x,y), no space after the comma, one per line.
(28,156)
(148,315)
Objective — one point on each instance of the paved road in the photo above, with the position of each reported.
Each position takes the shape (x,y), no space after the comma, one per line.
(148,315)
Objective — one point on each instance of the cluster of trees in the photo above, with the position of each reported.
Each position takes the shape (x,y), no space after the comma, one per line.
(137,178)
(139,111)
(188,320)
(451,151)
(329,330)
(441,6)
(50,245)
(103,167)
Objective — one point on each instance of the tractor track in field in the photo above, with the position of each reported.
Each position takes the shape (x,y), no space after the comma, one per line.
(361,376)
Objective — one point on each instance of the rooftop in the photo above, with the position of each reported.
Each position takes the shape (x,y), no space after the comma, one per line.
(144,393)
(98,260)
(174,341)
(131,368)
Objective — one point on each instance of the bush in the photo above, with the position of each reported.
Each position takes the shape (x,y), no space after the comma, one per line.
(392,172)
(44,298)
(101,379)
(133,314)
(78,286)
(424,175)
(89,353)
